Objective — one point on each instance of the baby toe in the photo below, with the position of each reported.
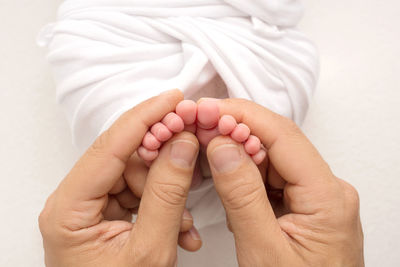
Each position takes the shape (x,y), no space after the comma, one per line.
(187,110)
(252,145)
(240,133)
(259,157)
(226,124)
(173,122)
(161,132)
(207,114)
(147,155)
(150,142)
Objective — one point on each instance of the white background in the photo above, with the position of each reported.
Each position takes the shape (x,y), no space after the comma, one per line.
(354,119)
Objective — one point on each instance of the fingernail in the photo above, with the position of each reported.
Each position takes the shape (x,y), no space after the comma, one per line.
(194,234)
(187,216)
(226,158)
(183,153)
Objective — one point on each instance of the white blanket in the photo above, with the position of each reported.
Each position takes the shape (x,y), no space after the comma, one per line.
(109,55)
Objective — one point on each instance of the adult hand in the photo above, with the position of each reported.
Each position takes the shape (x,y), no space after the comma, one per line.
(319,224)
(82,225)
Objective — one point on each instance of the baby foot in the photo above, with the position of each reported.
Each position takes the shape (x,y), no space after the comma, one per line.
(209,125)
(175,122)
(202,120)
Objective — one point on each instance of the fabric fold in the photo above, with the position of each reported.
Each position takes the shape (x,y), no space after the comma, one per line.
(109,55)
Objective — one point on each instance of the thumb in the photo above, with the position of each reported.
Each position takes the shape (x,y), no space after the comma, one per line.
(241,189)
(165,193)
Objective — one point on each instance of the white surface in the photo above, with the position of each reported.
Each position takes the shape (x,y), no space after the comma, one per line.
(354,119)
(98,47)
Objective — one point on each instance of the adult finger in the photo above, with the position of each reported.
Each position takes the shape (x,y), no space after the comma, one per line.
(114,211)
(187,221)
(103,163)
(289,150)
(118,187)
(164,196)
(309,180)
(86,186)
(274,179)
(121,205)
(136,175)
(242,191)
(127,199)
(190,240)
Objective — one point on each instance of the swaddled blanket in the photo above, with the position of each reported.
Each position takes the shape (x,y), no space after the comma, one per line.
(109,55)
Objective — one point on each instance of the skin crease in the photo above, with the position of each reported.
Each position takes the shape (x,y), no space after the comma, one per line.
(294,213)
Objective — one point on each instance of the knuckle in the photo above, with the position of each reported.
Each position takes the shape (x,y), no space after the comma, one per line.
(101,147)
(171,194)
(289,126)
(44,216)
(243,195)
(238,101)
(352,196)
(99,144)
(42,220)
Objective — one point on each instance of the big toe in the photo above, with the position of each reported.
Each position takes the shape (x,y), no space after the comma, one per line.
(207,114)
(187,110)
